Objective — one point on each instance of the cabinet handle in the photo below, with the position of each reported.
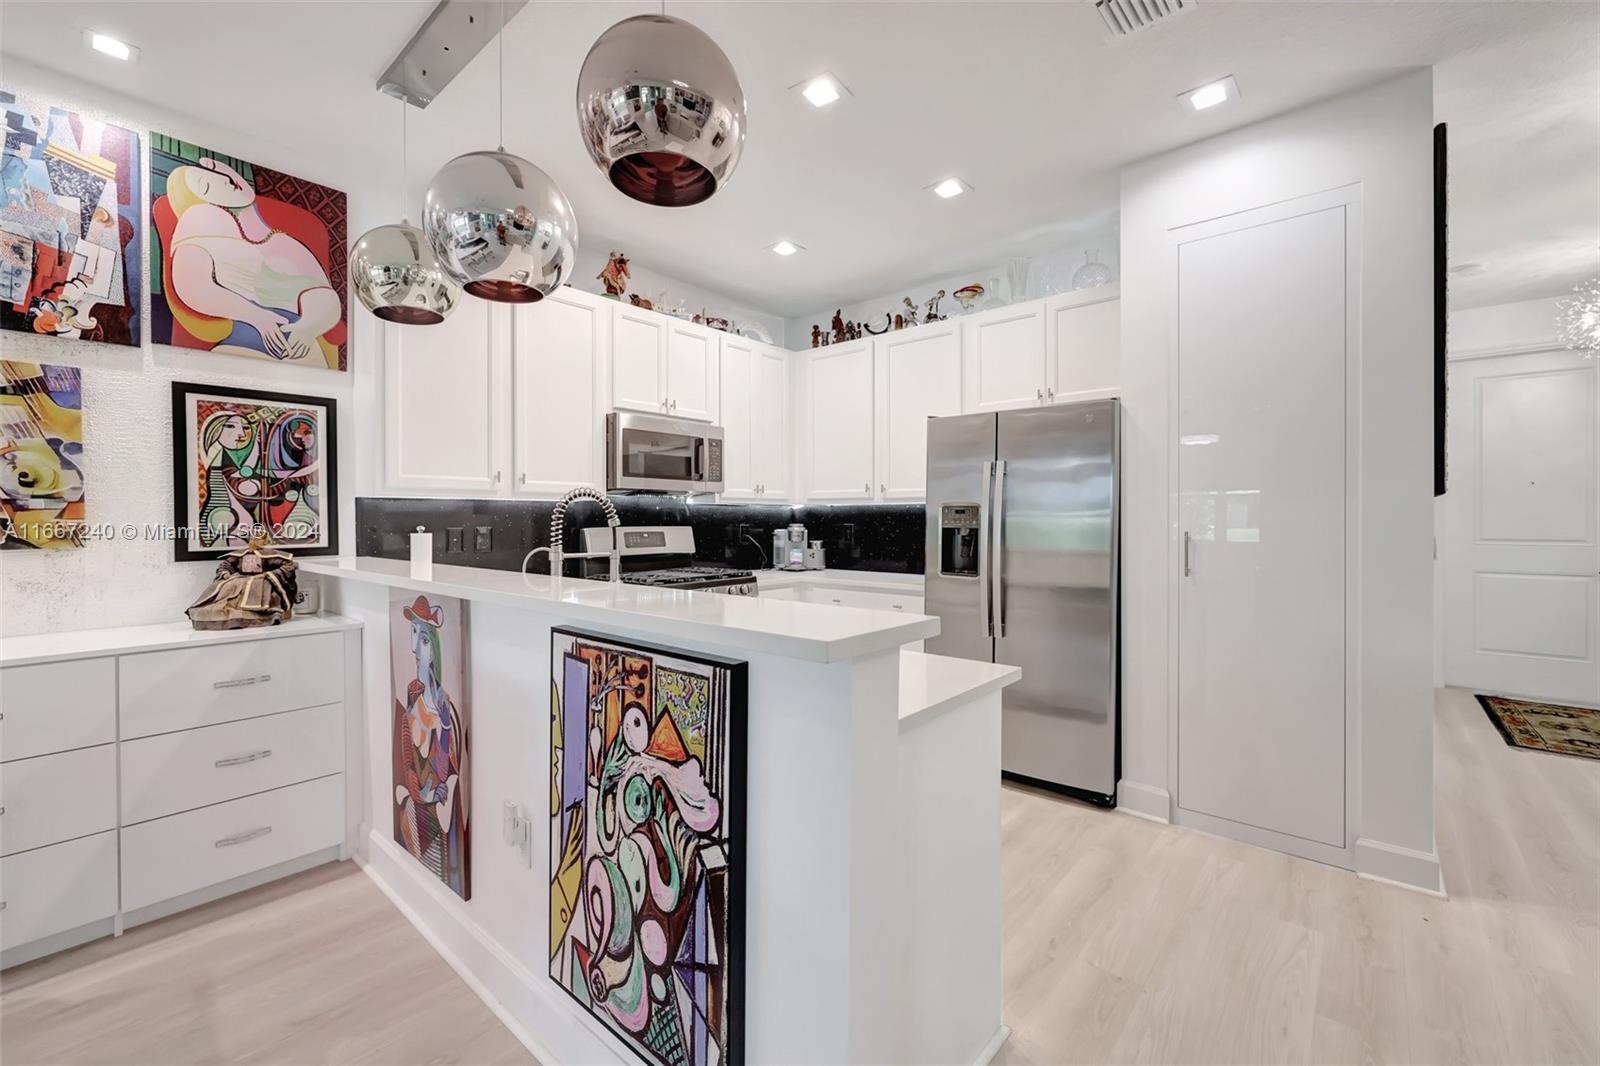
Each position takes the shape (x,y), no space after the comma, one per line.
(883,490)
(240,760)
(867,488)
(2,904)
(1187,569)
(241,838)
(672,405)
(1050,393)
(522,479)
(497,477)
(1038,394)
(241,682)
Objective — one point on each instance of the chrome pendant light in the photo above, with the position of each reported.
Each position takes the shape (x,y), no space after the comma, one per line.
(394,271)
(499,225)
(661,111)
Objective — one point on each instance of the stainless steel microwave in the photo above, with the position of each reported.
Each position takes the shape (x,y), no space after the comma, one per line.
(648,453)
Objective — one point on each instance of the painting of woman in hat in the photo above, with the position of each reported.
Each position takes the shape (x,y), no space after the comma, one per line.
(430,736)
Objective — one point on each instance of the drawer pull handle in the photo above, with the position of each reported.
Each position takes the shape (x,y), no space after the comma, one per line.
(2,904)
(240,682)
(240,838)
(240,760)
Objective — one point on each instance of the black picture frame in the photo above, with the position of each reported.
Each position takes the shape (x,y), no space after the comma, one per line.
(1441,301)
(737,788)
(183,490)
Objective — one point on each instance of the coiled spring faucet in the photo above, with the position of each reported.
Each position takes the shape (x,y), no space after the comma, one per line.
(558,535)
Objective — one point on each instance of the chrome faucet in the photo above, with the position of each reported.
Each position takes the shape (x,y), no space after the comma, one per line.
(558,535)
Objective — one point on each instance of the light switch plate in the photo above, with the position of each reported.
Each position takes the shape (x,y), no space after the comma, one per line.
(481,539)
(455,539)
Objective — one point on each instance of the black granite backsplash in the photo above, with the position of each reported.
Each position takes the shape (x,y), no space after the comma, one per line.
(883,537)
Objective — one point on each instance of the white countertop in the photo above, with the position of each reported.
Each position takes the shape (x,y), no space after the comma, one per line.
(123,640)
(932,683)
(816,632)
(866,580)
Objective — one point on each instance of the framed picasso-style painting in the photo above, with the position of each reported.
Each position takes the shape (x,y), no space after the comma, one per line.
(647,835)
(432,716)
(70,264)
(41,456)
(246,260)
(249,464)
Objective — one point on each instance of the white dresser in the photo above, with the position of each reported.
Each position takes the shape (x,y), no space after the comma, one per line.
(148,769)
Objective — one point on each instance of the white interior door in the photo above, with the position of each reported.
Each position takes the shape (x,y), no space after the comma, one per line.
(1261,362)
(1520,562)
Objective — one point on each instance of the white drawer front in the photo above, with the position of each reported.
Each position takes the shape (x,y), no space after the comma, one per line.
(50,890)
(171,856)
(878,601)
(57,706)
(164,691)
(175,772)
(53,798)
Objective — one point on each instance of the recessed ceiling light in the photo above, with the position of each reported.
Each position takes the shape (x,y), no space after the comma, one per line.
(105,44)
(822,90)
(1210,95)
(950,187)
(785,248)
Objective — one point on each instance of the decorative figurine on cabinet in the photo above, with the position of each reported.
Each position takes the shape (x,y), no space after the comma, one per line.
(911,312)
(615,277)
(816,336)
(899,321)
(887,322)
(838,325)
(933,314)
(640,301)
(968,295)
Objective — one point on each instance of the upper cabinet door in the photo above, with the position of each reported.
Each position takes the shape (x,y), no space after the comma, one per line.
(440,417)
(840,410)
(739,375)
(919,377)
(1085,340)
(558,349)
(770,423)
(1004,360)
(638,359)
(692,371)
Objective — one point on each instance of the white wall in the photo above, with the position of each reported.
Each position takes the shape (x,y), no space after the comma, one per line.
(648,283)
(1528,325)
(1379,138)
(128,403)
(1049,272)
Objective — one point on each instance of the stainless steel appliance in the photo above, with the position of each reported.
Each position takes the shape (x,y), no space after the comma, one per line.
(789,548)
(663,556)
(1021,561)
(816,556)
(648,453)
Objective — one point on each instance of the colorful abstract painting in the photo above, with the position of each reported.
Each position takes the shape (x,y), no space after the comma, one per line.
(41,456)
(432,723)
(251,465)
(69,225)
(647,763)
(245,260)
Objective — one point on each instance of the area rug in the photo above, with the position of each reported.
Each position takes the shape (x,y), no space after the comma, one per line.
(1545,726)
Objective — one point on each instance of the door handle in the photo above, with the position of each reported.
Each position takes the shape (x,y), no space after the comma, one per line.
(997,571)
(1187,569)
(986,606)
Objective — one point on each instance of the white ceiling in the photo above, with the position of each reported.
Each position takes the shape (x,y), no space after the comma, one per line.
(1028,102)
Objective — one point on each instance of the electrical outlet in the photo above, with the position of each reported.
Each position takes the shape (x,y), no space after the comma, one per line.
(744,531)
(455,539)
(481,539)
(517,831)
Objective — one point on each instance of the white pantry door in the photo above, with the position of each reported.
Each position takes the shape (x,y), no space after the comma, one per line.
(1262,335)
(1521,567)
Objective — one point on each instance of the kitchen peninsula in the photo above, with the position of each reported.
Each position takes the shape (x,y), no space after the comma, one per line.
(871,859)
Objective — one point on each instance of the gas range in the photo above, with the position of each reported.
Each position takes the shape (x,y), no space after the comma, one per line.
(662,557)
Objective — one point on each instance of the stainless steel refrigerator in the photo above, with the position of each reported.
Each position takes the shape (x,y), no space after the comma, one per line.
(1022,569)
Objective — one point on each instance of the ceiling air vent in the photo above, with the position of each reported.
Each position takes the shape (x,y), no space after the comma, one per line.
(1123,17)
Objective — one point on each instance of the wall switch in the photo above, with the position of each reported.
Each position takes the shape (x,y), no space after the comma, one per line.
(481,539)
(517,831)
(455,539)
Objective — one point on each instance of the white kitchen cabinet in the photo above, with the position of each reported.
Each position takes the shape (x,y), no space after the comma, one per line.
(918,377)
(558,349)
(755,420)
(1083,335)
(442,424)
(691,371)
(839,414)
(1005,362)
(638,359)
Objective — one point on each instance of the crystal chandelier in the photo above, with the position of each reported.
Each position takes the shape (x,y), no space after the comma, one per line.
(1578,318)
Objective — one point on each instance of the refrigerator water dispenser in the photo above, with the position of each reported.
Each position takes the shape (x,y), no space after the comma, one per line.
(958,539)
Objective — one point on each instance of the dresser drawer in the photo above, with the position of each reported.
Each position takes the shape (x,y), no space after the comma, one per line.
(175,772)
(164,691)
(57,706)
(51,798)
(50,890)
(171,856)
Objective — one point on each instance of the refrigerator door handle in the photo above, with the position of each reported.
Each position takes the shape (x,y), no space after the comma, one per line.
(986,605)
(997,553)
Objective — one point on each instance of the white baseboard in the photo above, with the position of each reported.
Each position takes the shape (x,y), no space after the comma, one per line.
(49,945)
(1144,801)
(1418,871)
(992,1048)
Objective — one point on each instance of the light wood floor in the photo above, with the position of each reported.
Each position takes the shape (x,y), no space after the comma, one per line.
(1125,941)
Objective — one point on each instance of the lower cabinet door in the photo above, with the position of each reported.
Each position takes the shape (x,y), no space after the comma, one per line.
(171,856)
(50,890)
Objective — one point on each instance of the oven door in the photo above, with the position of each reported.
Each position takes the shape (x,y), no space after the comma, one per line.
(647,453)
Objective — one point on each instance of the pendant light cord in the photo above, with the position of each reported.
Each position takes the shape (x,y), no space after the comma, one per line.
(404,156)
(502,75)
